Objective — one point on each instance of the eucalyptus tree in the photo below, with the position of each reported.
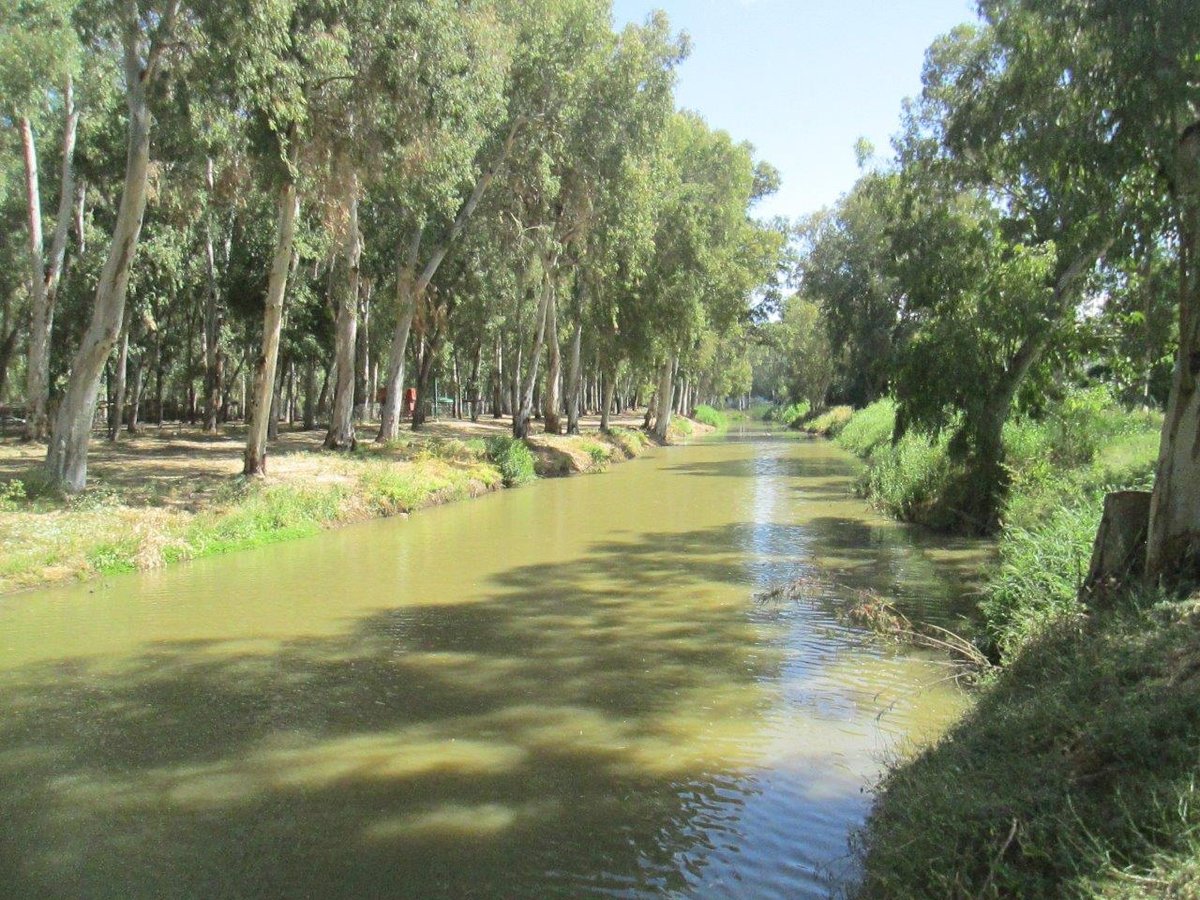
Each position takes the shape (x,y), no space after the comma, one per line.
(710,255)
(1003,217)
(39,59)
(452,138)
(1132,72)
(845,267)
(273,61)
(618,122)
(145,38)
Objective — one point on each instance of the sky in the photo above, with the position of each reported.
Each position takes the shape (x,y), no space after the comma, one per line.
(802,80)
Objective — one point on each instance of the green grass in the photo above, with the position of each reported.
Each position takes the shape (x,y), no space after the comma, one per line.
(1075,775)
(707,415)
(513,458)
(869,428)
(829,422)
(631,441)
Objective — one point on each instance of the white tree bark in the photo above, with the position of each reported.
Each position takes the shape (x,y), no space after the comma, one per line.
(524,409)
(551,421)
(341,427)
(66,456)
(1173,539)
(214,355)
(44,282)
(255,462)
(666,391)
(389,416)
(574,377)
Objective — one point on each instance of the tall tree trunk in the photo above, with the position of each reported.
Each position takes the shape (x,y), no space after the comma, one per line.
(411,286)
(523,410)
(426,360)
(608,380)
(498,381)
(44,283)
(214,320)
(66,456)
(393,396)
(666,392)
(553,397)
(115,412)
(255,461)
(1173,537)
(310,394)
(135,401)
(574,374)
(8,346)
(362,357)
(341,427)
(476,385)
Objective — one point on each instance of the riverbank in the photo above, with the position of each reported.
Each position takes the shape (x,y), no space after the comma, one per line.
(174,493)
(1076,771)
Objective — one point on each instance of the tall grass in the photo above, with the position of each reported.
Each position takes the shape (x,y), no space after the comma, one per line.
(828,422)
(707,415)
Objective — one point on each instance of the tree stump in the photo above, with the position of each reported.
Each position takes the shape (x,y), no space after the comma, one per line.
(1119,551)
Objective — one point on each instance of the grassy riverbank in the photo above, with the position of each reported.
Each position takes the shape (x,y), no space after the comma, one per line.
(1077,771)
(174,494)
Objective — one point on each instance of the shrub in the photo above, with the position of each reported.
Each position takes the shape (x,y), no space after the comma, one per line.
(681,425)
(793,415)
(11,495)
(513,458)
(630,440)
(706,415)
(598,454)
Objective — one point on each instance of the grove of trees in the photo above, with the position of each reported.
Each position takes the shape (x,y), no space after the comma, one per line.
(293,210)
(1039,221)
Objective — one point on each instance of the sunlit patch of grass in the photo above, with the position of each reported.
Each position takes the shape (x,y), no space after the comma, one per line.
(630,441)
(109,529)
(828,422)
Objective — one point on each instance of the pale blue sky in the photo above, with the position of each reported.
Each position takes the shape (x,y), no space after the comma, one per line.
(803,79)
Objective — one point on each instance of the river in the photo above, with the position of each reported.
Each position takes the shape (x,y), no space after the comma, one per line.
(566,689)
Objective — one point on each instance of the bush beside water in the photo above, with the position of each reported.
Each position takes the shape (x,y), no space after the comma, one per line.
(513,458)
(707,415)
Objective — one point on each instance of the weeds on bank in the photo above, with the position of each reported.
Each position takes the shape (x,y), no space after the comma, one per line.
(707,415)
(631,441)
(828,423)
(1074,775)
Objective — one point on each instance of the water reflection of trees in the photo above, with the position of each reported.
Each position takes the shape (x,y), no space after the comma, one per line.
(581,728)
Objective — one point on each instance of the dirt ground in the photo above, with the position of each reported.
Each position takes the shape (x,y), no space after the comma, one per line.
(179,465)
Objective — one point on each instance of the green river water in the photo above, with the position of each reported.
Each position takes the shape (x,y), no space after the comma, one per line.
(563,690)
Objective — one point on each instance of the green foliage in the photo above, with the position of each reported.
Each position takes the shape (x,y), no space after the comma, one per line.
(707,415)
(869,428)
(1073,776)
(398,488)
(12,494)
(263,515)
(830,422)
(598,454)
(513,458)
(632,441)
(914,480)
(793,415)
(1037,579)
